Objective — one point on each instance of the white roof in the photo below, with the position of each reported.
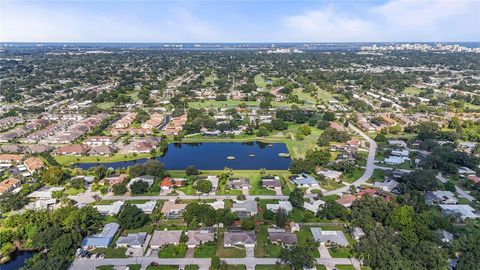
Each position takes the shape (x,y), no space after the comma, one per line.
(336,237)
(465,210)
(281,204)
(146,207)
(110,209)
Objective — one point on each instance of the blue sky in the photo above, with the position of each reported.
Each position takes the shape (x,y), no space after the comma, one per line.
(239,21)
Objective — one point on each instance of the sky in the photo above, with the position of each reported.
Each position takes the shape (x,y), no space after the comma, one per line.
(239,21)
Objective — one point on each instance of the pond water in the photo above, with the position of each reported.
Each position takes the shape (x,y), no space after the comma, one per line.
(18,260)
(213,156)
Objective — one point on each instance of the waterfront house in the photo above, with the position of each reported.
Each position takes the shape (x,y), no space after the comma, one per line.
(239,183)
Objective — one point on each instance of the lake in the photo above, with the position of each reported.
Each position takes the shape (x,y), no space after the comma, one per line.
(213,156)
(18,260)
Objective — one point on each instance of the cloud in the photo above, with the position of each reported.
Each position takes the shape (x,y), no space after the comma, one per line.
(61,24)
(328,25)
(395,20)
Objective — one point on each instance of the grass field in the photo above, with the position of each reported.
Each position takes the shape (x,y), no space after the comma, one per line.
(353,175)
(233,252)
(206,250)
(260,81)
(344,267)
(106,105)
(105,267)
(162,267)
(69,159)
(262,248)
(272,267)
(302,237)
(111,252)
(134,266)
(171,251)
(340,252)
(414,91)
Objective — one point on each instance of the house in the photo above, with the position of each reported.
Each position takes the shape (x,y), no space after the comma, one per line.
(101,150)
(114,180)
(73,149)
(445,236)
(395,160)
(358,233)
(331,175)
(146,178)
(400,153)
(168,183)
(44,193)
(197,237)
(245,209)
(217,205)
(103,239)
(465,211)
(239,183)
(163,238)
(146,207)
(346,200)
(465,171)
(280,236)
(440,197)
(313,205)
(9,184)
(285,205)
(39,205)
(156,119)
(475,179)
(388,185)
(399,143)
(303,180)
(172,210)
(373,193)
(133,240)
(109,209)
(329,237)
(239,238)
(271,182)
(32,164)
(10,158)
(294,227)
(99,140)
(214,180)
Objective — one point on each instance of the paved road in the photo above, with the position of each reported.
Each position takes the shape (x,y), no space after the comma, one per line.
(460,191)
(193,197)
(87,264)
(391,169)
(368,169)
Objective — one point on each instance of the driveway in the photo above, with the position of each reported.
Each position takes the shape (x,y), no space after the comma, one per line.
(324,251)
(461,192)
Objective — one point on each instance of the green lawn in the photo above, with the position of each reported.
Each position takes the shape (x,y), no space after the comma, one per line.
(263,248)
(191,267)
(69,159)
(412,91)
(112,252)
(340,252)
(105,267)
(321,267)
(377,176)
(232,252)
(206,250)
(172,251)
(344,267)
(134,266)
(148,228)
(162,267)
(260,81)
(106,105)
(302,237)
(273,267)
(236,267)
(353,175)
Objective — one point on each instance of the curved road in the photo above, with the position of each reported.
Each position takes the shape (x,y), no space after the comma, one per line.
(368,169)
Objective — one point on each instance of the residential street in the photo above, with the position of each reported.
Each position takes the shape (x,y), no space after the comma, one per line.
(368,169)
(91,264)
(460,191)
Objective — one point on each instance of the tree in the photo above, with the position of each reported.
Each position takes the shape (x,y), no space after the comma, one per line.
(119,189)
(100,172)
(248,224)
(204,186)
(423,180)
(12,201)
(380,138)
(215,263)
(281,217)
(401,217)
(139,187)
(329,116)
(296,198)
(131,217)
(333,210)
(53,176)
(199,213)
(262,132)
(297,257)
(225,216)
(191,170)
